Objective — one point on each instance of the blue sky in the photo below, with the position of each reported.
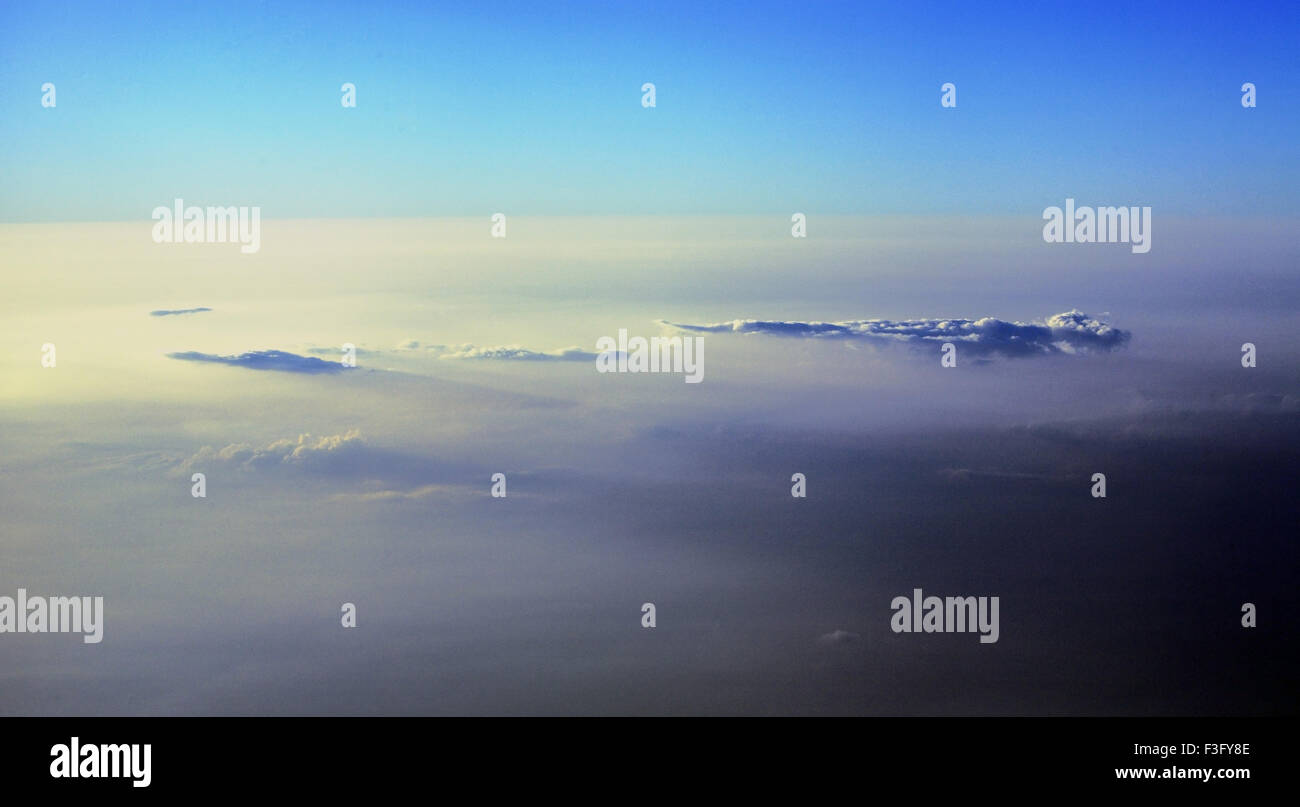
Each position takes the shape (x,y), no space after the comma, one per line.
(762,108)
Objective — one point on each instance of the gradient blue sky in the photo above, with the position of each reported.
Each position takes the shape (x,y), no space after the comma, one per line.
(467,109)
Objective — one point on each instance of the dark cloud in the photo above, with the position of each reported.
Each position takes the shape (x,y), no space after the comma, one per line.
(169,312)
(1068,332)
(1074,575)
(266,360)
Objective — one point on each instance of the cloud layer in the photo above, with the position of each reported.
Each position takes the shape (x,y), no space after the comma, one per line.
(511,353)
(1068,332)
(306,451)
(266,360)
(170,312)
(470,351)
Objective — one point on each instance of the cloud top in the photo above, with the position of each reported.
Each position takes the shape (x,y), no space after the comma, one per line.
(266,360)
(470,351)
(511,353)
(306,451)
(1069,332)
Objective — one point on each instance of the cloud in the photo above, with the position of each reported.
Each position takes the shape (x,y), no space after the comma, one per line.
(838,637)
(511,353)
(370,472)
(1069,332)
(338,351)
(266,360)
(169,312)
(470,351)
(422,492)
(969,474)
(306,451)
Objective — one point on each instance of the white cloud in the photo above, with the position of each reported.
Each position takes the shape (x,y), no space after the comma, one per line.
(306,450)
(1068,332)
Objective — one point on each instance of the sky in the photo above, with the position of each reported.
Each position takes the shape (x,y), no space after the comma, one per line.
(477,355)
(465,110)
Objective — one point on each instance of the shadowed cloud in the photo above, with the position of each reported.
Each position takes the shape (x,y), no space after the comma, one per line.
(171,312)
(266,360)
(838,637)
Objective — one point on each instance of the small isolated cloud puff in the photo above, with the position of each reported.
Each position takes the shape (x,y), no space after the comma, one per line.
(838,637)
(171,312)
(306,451)
(1069,332)
(266,360)
(511,353)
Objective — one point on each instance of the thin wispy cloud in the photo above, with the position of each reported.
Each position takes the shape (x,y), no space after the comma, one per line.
(970,474)
(838,636)
(511,353)
(171,312)
(1069,332)
(338,351)
(278,360)
(423,492)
